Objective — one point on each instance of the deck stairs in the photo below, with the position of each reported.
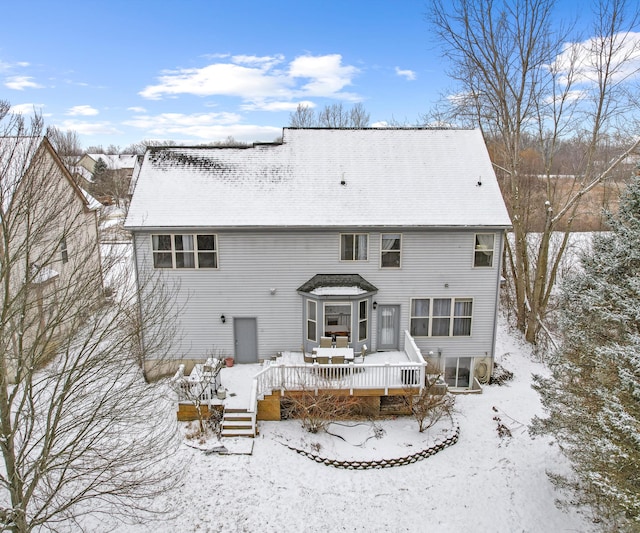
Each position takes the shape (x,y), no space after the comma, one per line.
(238,423)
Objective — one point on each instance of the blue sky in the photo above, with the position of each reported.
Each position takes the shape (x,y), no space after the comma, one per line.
(198,71)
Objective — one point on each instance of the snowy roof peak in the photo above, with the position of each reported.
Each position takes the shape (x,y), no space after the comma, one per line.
(418,177)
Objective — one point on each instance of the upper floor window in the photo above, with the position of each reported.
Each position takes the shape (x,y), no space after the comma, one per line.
(441,317)
(353,246)
(185,251)
(390,250)
(64,252)
(483,256)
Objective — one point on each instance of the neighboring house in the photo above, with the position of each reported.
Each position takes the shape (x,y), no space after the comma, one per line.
(81,176)
(113,161)
(358,232)
(50,250)
(119,168)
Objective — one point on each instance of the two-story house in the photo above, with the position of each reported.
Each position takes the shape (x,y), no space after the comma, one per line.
(49,249)
(363,233)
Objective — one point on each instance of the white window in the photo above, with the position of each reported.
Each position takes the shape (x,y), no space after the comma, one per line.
(185,251)
(483,252)
(353,246)
(441,317)
(390,249)
(64,252)
(312,321)
(337,319)
(363,320)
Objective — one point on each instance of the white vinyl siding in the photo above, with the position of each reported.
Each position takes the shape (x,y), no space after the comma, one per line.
(184,251)
(255,261)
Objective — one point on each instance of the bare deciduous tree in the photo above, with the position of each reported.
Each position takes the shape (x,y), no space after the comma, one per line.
(432,403)
(303,117)
(80,429)
(67,145)
(528,88)
(331,116)
(316,402)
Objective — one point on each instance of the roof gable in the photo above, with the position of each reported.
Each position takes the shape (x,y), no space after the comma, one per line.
(323,177)
(21,155)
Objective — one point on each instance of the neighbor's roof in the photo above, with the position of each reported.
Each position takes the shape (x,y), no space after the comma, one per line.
(115,161)
(323,177)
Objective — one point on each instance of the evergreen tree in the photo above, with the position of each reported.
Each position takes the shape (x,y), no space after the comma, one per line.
(593,395)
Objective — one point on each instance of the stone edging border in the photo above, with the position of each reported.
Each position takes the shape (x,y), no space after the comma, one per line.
(438,446)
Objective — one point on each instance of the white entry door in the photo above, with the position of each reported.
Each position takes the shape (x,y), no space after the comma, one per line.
(388,327)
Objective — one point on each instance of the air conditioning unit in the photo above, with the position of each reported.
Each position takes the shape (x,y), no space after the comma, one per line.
(482,369)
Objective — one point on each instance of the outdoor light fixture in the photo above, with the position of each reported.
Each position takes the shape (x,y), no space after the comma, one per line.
(273,290)
(375,305)
(223,319)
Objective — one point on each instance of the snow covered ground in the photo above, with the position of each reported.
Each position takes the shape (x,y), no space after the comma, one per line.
(485,482)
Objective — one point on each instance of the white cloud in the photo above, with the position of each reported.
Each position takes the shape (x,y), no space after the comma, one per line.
(276,106)
(20,83)
(82,111)
(26,109)
(157,123)
(583,58)
(6,67)
(137,109)
(203,126)
(259,80)
(328,76)
(407,74)
(90,128)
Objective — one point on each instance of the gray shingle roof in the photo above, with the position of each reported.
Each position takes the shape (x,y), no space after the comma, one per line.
(323,177)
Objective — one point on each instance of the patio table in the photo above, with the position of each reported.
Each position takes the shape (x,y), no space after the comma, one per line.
(347,353)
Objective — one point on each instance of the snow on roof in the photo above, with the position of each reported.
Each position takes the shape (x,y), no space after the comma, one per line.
(92,203)
(338,291)
(82,172)
(43,274)
(323,177)
(115,161)
(337,285)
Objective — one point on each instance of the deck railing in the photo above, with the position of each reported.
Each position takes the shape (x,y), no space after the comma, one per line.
(347,377)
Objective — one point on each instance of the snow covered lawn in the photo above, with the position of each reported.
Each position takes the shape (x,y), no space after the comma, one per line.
(485,482)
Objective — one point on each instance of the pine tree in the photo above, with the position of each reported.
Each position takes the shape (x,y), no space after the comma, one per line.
(593,395)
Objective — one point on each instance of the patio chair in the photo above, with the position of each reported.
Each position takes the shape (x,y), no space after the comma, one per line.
(337,360)
(325,342)
(308,358)
(342,342)
(322,360)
